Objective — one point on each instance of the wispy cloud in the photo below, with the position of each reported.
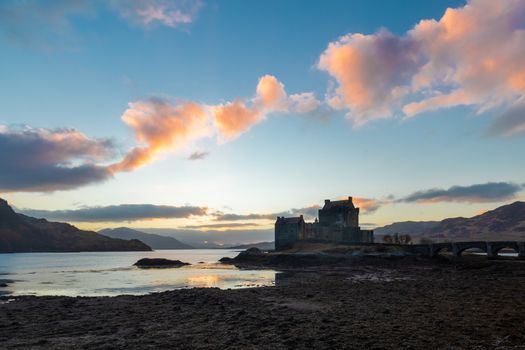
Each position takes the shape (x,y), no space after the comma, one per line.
(309,212)
(510,123)
(44,25)
(478,193)
(50,25)
(198,155)
(221,226)
(472,56)
(118,213)
(147,13)
(48,160)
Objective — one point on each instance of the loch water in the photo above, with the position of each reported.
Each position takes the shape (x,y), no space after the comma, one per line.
(113,273)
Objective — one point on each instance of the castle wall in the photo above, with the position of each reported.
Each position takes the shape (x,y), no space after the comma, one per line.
(286,234)
(338,222)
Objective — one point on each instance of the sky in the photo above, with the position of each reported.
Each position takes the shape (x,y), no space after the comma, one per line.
(224,114)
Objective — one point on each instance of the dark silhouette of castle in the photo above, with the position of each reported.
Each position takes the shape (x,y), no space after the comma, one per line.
(338,222)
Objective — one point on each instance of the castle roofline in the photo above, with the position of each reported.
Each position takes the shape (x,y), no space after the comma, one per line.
(290,220)
(328,204)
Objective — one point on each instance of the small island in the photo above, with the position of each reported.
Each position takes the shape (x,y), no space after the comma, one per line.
(159,263)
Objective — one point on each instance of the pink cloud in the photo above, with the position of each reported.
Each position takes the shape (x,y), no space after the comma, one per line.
(235,118)
(161,126)
(472,56)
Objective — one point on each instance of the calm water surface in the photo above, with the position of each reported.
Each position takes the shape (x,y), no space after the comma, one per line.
(113,273)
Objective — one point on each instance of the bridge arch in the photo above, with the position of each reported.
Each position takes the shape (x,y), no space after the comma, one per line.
(439,248)
(460,247)
(496,247)
(442,249)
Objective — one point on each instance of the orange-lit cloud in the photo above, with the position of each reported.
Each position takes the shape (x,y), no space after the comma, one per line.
(235,118)
(367,205)
(161,126)
(371,71)
(49,160)
(271,94)
(472,56)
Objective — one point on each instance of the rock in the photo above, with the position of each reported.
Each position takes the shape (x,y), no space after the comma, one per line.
(253,250)
(245,254)
(159,263)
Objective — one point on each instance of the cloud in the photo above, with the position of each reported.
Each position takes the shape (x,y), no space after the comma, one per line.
(50,24)
(147,13)
(372,72)
(511,123)
(239,217)
(479,193)
(161,126)
(48,160)
(367,205)
(198,155)
(234,118)
(472,56)
(44,25)
(221,225)
(309,212)
(118,213)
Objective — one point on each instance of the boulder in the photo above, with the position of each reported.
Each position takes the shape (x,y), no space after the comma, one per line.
(159,263)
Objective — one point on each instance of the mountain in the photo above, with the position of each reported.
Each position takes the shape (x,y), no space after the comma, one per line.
(21,233)
(504,223)
(413,228)
(259,245)
(214,238)
(153,240)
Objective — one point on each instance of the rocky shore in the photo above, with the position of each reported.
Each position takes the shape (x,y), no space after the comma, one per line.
(365,303)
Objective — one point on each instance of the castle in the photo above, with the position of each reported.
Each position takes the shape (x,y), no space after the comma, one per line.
(338,222)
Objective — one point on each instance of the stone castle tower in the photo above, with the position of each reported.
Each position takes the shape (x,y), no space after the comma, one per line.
(338,222)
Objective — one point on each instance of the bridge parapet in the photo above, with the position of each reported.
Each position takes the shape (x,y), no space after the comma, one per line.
(457,248)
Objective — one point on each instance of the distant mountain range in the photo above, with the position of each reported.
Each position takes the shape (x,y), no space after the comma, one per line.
(214,238)
(21,233)
(260,245)
(153,240)
(504,223)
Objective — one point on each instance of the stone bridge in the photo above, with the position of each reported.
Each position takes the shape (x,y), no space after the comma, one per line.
(456,248)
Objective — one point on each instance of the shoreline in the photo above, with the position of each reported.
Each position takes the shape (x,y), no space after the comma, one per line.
(371,303)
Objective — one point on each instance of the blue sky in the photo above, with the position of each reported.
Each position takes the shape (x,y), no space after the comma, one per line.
(81,69)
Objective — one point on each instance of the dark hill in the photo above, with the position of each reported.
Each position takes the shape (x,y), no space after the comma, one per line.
(153,240)
(503,223)
(258,245)
(21,233)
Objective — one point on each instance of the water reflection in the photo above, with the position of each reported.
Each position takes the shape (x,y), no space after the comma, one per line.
(97,274)
(204,281)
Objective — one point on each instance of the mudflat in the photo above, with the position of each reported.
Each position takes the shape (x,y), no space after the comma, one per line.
(366,303)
